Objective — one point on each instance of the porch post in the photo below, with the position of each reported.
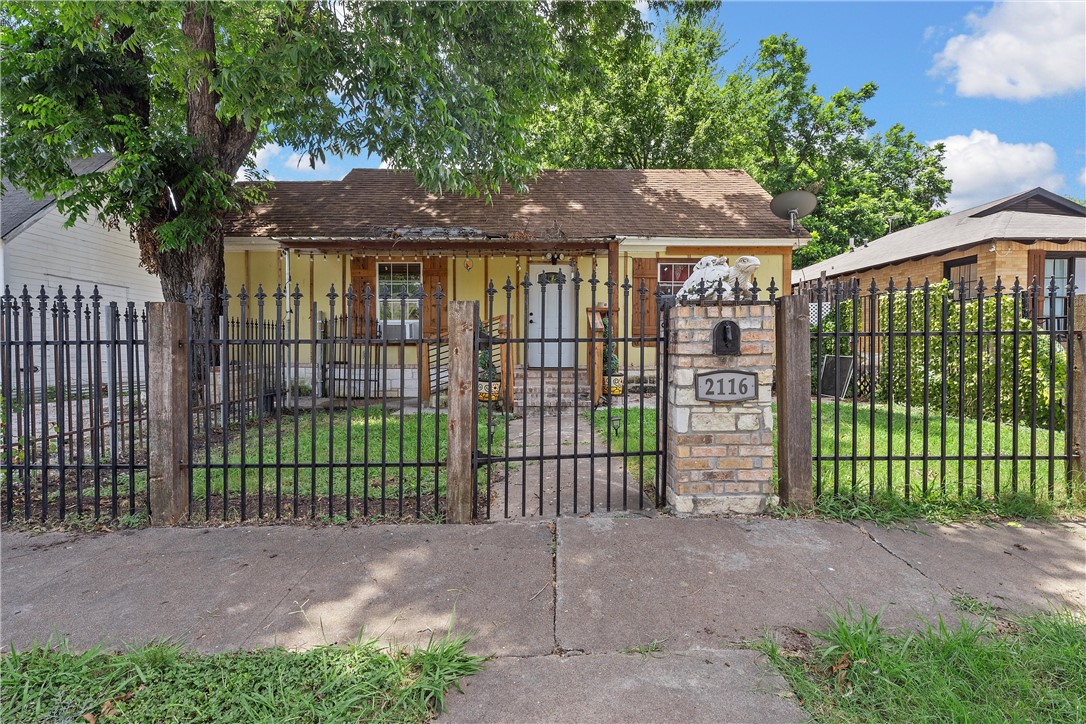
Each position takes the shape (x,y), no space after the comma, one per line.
(460,479)
(613,272)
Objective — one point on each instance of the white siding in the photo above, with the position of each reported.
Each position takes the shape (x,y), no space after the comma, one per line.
(86,254)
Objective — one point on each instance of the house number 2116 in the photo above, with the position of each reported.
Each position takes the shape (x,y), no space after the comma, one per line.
(726,386)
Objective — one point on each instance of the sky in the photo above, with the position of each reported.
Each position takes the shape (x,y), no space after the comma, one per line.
(1002,85)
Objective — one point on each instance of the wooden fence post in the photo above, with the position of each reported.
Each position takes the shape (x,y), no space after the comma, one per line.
(794,463)
(167,410)
(460,480)
(1077,372)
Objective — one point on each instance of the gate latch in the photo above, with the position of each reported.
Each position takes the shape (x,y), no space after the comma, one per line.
(726,338)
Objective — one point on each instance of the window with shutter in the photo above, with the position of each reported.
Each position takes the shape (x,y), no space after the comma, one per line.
(665,275)
(386,279)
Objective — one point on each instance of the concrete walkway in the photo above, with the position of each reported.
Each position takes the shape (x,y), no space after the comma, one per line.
(568,611)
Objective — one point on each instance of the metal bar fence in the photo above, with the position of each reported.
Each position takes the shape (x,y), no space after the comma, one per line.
(941,388)
(313,410)
(588,427)
(73,373)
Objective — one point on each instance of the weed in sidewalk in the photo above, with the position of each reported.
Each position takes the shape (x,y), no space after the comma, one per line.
(653,649)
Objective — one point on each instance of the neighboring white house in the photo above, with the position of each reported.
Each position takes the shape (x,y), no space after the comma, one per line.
(38,249)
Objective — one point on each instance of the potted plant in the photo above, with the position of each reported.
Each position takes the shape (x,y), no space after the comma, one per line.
(612,372)
(490,379)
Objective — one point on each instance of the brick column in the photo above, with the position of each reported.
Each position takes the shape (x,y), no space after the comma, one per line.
(720,454)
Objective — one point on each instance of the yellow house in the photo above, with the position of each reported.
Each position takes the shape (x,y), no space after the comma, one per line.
(376,229)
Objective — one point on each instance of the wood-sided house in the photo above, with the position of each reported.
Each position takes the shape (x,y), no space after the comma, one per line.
(38,249)
(378,228)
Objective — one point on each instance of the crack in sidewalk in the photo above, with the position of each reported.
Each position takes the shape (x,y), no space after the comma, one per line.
(271,610)
(879,543)
(553,525)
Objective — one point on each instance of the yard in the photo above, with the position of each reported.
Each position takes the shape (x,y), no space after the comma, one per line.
(633,430)
(374,454)
(1021,486)
(908,451)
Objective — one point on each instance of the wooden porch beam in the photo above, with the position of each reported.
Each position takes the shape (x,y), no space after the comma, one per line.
(448,247)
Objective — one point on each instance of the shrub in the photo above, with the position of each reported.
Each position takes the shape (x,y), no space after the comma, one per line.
(969,361)
(965,361)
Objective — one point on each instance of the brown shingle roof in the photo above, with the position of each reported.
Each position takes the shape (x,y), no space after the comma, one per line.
(710,204)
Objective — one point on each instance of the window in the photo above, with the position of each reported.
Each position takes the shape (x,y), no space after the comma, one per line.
(960,270)
(1057,269)
(398,287)
(672,275)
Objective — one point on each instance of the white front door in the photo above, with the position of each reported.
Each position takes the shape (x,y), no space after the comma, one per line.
(552,320)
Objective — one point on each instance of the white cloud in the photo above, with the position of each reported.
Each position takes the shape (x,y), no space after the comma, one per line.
(1018,51)
(262,159)
(1082,176)
(983,168)
(301,162)
(265,155)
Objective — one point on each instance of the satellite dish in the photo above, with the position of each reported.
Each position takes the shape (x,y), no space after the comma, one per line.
(793,205)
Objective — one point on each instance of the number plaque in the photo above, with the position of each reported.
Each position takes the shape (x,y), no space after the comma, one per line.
(726,386)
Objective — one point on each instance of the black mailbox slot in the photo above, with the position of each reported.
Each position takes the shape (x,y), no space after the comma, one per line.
(726,338)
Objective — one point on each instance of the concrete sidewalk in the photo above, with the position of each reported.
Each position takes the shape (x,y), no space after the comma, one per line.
(560,606)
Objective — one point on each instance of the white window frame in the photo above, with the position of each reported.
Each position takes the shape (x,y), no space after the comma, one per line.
(671,287)
(388,301)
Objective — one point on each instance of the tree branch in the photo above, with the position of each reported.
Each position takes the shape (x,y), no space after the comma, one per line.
(201,121)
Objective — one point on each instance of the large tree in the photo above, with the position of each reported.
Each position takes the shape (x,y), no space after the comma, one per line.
(183,93)
(666,102)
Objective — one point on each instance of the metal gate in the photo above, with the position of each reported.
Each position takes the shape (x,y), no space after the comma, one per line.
(584,430)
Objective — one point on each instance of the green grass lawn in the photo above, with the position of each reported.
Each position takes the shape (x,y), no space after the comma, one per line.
(1028,669)
(159,682)
(895,434)
(384,447)
(635,432)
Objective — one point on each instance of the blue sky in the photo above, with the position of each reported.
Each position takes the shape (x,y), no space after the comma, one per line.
(1003,85)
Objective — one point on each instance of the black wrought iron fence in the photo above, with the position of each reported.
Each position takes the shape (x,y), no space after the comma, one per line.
(308,409)
(74,371)
(942,387)
(580,401)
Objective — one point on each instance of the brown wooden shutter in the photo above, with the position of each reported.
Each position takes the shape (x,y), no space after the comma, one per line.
(644,312)
(435,271)
(363,275)
(1035,269)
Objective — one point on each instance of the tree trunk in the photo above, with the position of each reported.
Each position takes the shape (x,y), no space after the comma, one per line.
(184,276)
(199,267)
